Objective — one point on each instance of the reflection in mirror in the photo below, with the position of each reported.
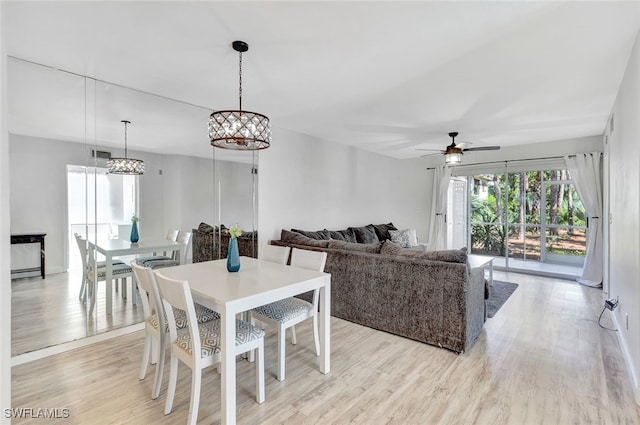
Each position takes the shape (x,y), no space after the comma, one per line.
(62,127)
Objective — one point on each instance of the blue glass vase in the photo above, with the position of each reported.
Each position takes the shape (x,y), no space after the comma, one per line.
(134,233)
(233,256)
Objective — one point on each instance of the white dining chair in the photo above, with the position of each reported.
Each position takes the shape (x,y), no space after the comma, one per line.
(200,347)
(155,331)
(89,287)
(287,313)
(172,235)
(178,258)
(275,253)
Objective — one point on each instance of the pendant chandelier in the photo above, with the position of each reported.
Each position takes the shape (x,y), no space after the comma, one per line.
(125,165)
(238,129)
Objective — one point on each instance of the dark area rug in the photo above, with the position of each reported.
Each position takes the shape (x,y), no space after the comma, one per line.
(499,293)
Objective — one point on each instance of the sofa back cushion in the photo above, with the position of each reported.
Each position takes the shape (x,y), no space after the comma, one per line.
(382,230)
(300,239)
(345,235)
(366,234)
(373,248)
(451,256)
(318,235)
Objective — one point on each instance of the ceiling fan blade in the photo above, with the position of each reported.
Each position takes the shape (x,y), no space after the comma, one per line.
(430,154)
(432,150)
(483,148)
(463,145)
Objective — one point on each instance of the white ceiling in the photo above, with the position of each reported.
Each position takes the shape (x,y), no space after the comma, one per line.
(388,77)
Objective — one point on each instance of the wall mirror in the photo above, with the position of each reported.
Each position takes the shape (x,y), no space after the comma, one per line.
(61,128)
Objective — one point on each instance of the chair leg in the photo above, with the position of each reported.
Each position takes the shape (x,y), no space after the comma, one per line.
(93,294)
(145,356)
(196,375)
(251,356)
(171,390)
(155,350)
(294,340)
(281,353)
(260,372)
(157,380)
(83,286)
(123,285)
(316,338)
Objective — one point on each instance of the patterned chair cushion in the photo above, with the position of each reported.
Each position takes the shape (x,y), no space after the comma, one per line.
(104,263)
(142,260)
(210,337)
(116,270)
(203,314)
(284,310)
(158,264)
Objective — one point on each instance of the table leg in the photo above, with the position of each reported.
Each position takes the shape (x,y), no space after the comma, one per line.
(325,328)
(228,367)
(42,257)
(108,283)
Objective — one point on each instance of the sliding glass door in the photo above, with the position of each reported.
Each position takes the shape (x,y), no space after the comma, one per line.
(527,216)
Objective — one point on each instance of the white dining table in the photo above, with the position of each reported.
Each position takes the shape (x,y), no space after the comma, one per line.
(257,283)
(120,247)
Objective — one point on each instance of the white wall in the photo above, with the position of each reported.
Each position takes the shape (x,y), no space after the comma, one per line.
(5,276)
(624,201)
(311,184)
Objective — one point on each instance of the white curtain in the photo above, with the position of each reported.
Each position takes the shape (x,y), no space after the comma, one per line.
(586,171)
(438,220)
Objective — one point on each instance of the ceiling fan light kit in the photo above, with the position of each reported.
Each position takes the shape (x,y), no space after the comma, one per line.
(453,152)
(238,129)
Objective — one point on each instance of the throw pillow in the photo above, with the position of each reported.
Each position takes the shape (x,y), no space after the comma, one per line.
(346,235)
(205,228)
(299,239)
(406,238)
(450,255)
(366,234)
(320,234)
(373,248)
(382,230)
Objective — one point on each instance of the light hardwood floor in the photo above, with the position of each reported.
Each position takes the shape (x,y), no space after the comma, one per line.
(542,359)
(46,312)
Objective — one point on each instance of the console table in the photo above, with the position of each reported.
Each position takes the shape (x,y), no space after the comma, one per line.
(17,238)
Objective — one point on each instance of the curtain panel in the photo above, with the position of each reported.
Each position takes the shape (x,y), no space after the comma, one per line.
(438,220)
(586,171)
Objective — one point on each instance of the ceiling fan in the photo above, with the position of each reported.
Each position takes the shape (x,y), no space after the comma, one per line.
(453,152)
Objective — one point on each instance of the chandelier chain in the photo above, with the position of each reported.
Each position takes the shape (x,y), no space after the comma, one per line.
(240,86)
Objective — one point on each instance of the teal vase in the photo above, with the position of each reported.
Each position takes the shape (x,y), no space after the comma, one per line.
(134,233)
(233,256)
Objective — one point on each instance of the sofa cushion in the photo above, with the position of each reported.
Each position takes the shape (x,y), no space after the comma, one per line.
(373,248)
(382,230)
(406,238)
(299,239)
(319,234)
(205,228)
(451,256)
(366,234)
(346,235)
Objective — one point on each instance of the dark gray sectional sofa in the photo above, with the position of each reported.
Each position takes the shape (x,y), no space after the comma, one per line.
(432,297)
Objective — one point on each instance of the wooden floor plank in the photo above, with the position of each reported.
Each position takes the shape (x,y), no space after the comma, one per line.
(542,359)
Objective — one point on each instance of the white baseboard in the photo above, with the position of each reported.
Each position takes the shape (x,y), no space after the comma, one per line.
(627,359)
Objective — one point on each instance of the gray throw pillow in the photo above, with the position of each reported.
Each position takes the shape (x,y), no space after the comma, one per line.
(298,239)
(366,234)
(319,234)
(346,235)
(382,230)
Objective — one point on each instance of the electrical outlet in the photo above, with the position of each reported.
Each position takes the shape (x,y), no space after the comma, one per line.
(611,303)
